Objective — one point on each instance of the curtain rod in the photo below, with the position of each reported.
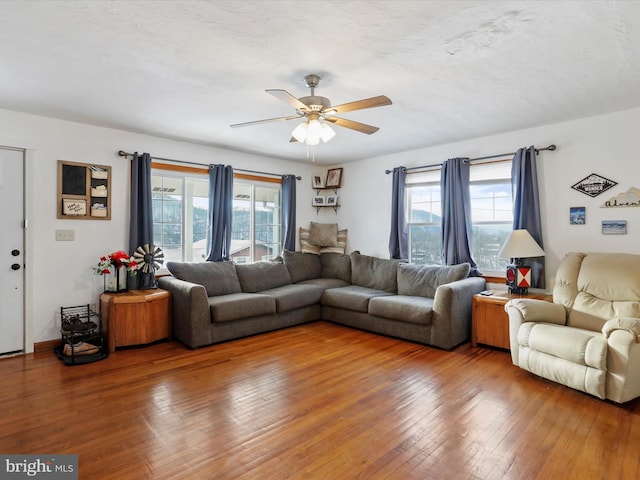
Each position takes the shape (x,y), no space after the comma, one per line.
(122,153)
(551,148)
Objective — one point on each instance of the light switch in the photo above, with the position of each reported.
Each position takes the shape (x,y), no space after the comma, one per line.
(65,235)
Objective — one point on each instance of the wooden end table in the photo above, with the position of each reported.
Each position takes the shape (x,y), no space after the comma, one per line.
(136,317)
(489,321)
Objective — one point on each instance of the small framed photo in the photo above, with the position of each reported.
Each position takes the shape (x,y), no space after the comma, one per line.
(614,227)
(334,178)
(331,200)
(577,215)
(318,201)
(317,181)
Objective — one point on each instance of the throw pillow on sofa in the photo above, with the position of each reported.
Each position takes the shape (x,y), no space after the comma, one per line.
(218,278)
(374,272)
(301,266)
(255,277)
(336,265)
(423,280)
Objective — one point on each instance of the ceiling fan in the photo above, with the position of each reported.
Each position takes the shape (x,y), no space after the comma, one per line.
(317,111)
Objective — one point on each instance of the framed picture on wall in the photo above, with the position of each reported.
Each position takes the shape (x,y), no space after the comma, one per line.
(331,200)
(317,181)
(614,227)
(577,215)
(334,178)
(317,201)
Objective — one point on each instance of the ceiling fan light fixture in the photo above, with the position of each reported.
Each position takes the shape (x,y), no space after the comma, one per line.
(300,132)
(327,133)
(314,131)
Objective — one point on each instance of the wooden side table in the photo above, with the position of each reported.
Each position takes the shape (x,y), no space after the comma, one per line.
(489,321)
(136,317)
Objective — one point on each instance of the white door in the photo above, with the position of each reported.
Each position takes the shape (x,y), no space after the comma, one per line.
(11,251)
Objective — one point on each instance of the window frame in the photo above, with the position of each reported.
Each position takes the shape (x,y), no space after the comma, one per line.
(182,171)
(490,274)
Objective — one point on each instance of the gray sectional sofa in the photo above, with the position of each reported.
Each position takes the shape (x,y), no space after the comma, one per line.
(218,301)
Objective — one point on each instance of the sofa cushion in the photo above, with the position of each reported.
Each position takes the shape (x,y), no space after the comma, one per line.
(301,266)
(423,280)
(374,272)
(403,308)
(236,306)
(218,278)
(325,283)
(335,265)
(290,297)
(255,277)
(353,297)
(323,234)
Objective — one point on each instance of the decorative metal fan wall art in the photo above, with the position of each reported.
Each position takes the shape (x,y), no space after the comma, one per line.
(318,109)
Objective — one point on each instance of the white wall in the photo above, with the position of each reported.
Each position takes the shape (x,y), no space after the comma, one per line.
(60,273)
(607,145)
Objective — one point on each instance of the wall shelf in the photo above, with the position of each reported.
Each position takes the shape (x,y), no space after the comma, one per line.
(84,191)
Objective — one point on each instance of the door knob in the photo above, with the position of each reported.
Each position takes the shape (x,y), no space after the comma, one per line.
(15,266)
(15,253)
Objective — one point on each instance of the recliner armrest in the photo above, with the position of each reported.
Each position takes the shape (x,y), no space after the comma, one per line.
(522,310)
(631,325)
(531,310)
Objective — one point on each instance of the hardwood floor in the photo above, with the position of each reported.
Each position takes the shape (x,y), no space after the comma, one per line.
(318,401)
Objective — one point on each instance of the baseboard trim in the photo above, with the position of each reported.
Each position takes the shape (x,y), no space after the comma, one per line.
(46,346)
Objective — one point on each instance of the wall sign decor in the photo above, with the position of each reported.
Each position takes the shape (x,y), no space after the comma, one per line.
(593,185)
(577,215)
(614,227)
(630,198)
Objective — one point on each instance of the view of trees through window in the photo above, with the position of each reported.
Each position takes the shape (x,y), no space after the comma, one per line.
(181,215)
(491,215)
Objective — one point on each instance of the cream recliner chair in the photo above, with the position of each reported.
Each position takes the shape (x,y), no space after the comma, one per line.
(588,337)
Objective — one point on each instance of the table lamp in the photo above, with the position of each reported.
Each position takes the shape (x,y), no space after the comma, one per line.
(519,245)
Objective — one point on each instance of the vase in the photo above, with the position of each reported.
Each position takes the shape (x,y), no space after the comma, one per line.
(116,280)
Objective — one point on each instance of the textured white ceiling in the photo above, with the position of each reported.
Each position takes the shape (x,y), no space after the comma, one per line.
(188,69)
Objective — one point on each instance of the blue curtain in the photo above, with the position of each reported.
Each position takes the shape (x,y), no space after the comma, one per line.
(398,243)
(289,212)
(456,230)
(526,206)
(220,212)
(141,215)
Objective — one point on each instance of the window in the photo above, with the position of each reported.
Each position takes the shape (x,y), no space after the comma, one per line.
(255,233)
(181,216)
(424,217)
(491,215)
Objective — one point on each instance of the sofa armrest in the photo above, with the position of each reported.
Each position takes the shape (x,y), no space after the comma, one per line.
(451,320)
(191,319)
(522,310)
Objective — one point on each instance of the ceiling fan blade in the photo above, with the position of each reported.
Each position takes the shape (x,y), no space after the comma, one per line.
(360,127)
(267,120)
(287,97)
(379,101)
